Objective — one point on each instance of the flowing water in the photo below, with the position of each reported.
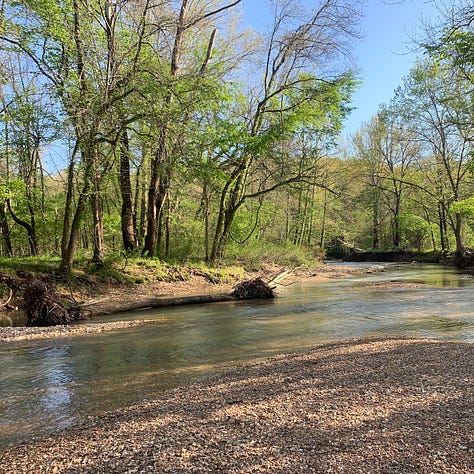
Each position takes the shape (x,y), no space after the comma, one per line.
(52,384)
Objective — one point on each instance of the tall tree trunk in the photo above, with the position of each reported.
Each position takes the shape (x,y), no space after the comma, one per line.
(68,203)
(223,228)
(206,220)
(396,231)
(5,230)
(322,236)
(162,204)
(309,236)
(443,227)
(30,231)
(457,229)
(231,200)
(127,215)
(98,222)
(432,235)
(375,227)
(299,218)
(71,233)
(72,239)
(153,205)
(167,229)
(84,142)
(156,199)
(375,217)
(141,190)
(396,217)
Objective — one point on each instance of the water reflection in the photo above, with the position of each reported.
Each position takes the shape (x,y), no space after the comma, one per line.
(47,385)
(36,388)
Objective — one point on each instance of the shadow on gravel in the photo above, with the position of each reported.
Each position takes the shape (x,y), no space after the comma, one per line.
(355,406)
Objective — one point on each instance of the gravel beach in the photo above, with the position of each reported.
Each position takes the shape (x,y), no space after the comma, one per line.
(357,406)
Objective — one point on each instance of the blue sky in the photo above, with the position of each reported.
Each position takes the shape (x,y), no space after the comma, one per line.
(385,54)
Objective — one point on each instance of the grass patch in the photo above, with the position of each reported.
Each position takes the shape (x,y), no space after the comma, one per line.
(40,265)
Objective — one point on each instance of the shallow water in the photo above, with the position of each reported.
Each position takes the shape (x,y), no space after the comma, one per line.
(52,384)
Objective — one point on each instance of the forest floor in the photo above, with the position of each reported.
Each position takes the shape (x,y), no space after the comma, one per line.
(355,406)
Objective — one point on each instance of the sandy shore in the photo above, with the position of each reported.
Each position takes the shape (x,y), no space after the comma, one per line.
(359,406)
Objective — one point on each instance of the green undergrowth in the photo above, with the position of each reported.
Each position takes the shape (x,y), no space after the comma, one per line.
(256,256)
(129,270)
(121,271)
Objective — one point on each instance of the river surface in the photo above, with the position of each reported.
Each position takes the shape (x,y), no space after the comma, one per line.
(48,385)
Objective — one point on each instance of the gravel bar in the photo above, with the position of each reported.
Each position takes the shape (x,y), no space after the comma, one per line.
(355,406)
(22,333)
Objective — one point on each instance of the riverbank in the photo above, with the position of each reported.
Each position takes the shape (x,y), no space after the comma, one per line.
(462,261)
(104,299)
(371,405)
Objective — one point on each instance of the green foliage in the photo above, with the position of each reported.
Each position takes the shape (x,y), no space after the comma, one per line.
(14,189)
(415,231)
(255,150)
(464,207)
(255,254)
(455,48)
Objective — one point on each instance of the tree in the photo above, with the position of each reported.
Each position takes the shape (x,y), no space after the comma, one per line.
(292,86)
(389,149)
(74,47)
(452,40)
(435,100)
(192,18)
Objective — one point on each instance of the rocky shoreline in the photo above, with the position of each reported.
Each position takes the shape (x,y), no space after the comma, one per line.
(370,405)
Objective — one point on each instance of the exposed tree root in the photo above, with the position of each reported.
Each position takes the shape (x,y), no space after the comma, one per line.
(39,300)
(253,289)
(43,306)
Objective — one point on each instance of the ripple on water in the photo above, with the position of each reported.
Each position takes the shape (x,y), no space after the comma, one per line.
(48,385)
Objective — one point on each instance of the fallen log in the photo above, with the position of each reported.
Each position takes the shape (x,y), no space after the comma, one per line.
(110,307)
(43,306)
(251,289)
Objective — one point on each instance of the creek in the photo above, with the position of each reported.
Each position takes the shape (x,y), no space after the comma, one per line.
(48,385)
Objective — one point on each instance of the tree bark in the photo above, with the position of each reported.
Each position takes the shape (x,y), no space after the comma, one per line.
(30,230)
(5,230)
(157,196)
(153,209)
(98,222)
(67,257)
(127,215)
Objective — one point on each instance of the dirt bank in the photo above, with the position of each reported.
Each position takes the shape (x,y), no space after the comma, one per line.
(359,406)
(106,298)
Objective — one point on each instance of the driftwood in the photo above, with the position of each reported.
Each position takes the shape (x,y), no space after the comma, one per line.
(40,302)
(43,306)
(252,289)
(281,276)
(109,307)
